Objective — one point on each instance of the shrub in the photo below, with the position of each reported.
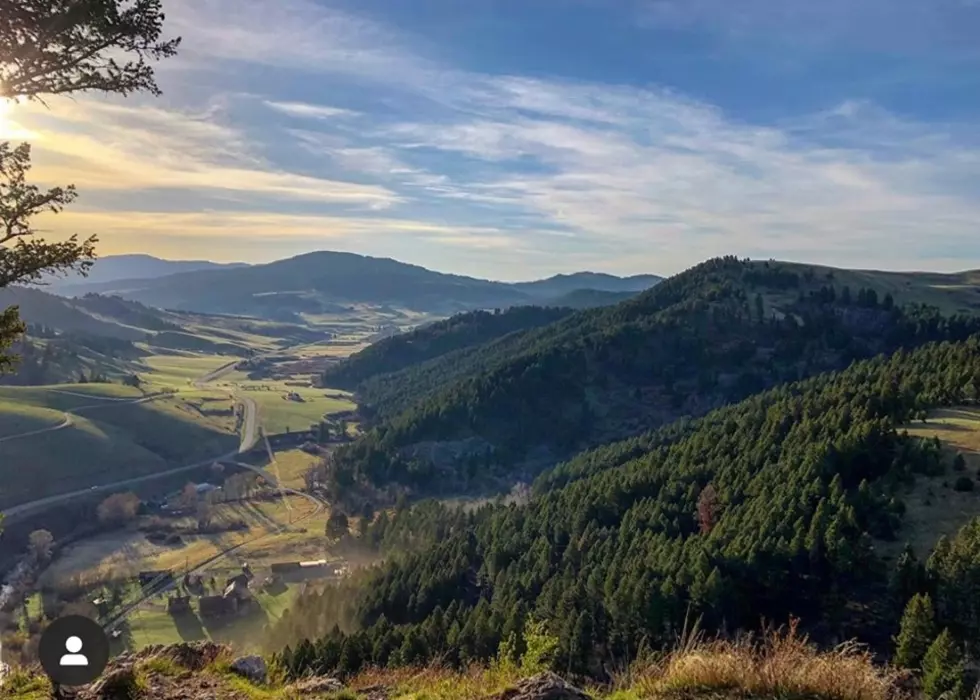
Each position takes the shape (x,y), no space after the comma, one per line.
(959,463)
(118,509)
(963,484)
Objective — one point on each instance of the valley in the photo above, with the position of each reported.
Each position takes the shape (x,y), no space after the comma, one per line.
(148,427)
(211,448)
(533,427)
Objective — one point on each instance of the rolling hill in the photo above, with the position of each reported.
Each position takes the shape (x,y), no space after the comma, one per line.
(435,340)
(67,315)
(107,335)
(113,268)
(775,508)
(709,336)
(107,439)
(318,282)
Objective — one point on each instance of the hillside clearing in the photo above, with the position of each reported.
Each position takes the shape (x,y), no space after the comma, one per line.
(934,507)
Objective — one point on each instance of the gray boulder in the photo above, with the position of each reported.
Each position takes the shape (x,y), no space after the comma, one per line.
(251,667)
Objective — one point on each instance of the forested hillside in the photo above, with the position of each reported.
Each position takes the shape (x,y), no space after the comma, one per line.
(712,335)
(765,509)
(436,339)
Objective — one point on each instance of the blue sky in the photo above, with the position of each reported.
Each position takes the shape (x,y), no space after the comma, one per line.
(513,139)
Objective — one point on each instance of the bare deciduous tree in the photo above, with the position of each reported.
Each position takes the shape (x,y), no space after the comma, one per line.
(39,545)
(118,509)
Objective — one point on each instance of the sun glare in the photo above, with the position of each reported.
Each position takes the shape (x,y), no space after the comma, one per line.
(9,129)
(5,123)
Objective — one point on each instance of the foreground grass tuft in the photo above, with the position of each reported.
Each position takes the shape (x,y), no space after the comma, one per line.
(781,664)
(25,684)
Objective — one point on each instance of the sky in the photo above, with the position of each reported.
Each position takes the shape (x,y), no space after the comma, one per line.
(514,139)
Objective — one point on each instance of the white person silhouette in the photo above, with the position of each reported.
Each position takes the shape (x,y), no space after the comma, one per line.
(73,658)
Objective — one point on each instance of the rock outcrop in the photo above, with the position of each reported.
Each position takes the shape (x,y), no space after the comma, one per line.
(544,686)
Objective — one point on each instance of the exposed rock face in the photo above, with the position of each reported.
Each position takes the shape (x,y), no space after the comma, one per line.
(251,667)
(544,686)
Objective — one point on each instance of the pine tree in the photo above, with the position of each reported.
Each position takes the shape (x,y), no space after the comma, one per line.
(942,668)
(908,577)
(918,629)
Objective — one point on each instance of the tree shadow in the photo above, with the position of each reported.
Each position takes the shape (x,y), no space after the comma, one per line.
(243,628)
(189,627)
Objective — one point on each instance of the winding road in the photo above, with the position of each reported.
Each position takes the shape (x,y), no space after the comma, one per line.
(249,438)
(67,421)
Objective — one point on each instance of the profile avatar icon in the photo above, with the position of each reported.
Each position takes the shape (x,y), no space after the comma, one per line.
(74,650)
(73,657)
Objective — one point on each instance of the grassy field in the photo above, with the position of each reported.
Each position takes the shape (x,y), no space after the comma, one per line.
(111,440)
(338,347)
(277,413)
(16,419)
(934,508)
(66,397)
(290,467)
(181,369)
(277,531)
(952,293)
(153,625)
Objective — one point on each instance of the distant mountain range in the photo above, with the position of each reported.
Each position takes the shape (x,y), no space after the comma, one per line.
(323,281)
(114,268)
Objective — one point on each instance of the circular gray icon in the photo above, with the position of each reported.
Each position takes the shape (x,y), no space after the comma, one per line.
(73,650)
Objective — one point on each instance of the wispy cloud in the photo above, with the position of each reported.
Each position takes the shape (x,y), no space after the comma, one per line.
(103,146)
(410,154)
(301,109)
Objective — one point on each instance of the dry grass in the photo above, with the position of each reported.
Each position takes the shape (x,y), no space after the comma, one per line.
(778,664)
(933,507)
(781,664)
(438,683)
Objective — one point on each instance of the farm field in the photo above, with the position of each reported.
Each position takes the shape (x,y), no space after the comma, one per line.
(279,414)
(180,370)
(270,538)
(290,467)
